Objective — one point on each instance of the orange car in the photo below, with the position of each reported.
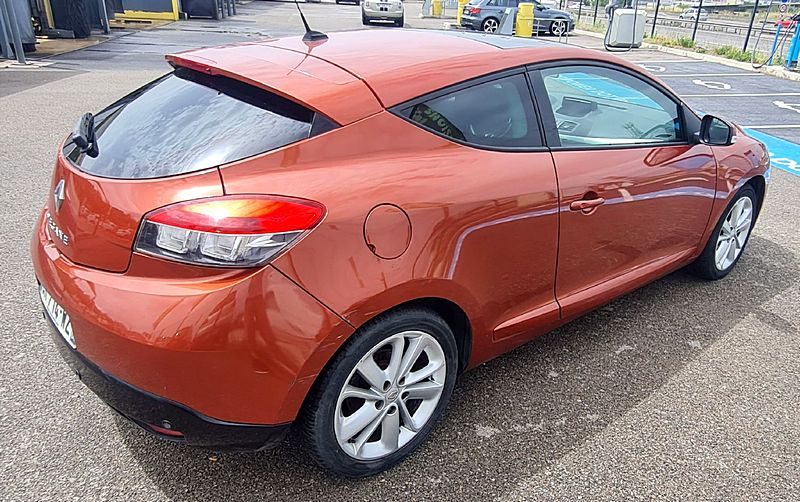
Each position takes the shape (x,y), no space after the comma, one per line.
(326,233)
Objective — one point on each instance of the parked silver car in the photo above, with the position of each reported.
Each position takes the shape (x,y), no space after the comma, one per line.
(382,10)
(485,15)
(692,14)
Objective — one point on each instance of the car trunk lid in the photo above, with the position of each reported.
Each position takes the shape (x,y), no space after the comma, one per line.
(93,221)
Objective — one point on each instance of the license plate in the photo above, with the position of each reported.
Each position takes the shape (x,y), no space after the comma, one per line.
(59,317)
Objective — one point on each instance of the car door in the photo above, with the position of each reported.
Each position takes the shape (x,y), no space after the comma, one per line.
(635,193)
(501,242)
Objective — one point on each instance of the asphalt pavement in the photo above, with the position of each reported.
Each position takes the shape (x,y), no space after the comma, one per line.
(682,390)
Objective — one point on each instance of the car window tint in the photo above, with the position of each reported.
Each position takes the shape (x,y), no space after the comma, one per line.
(595,106)
(189,121)
(493,114)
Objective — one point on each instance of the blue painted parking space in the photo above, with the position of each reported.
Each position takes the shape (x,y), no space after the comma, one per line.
(784,154)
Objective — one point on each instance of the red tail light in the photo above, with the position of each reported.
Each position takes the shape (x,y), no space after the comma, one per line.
(228,231)
(474,11)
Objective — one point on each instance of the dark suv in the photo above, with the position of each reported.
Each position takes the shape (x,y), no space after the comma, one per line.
(485,15)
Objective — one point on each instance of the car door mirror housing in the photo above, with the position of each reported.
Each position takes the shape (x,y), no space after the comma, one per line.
(715,131)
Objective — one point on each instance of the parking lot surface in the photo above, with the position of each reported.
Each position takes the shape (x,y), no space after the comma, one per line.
(682,390)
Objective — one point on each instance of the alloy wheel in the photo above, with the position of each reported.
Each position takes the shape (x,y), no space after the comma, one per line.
(490,25)
(558,28)
(390,395)
(733,233)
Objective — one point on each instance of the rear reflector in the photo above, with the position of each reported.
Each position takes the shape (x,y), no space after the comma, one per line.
(165,432)
(228,231)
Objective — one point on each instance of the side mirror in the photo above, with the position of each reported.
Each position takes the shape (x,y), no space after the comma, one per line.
(715,131)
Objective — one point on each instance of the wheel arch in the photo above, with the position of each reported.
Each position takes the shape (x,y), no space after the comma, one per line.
(455,317)
(759,184)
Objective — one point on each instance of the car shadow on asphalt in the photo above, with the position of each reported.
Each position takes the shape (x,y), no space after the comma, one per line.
(516,414)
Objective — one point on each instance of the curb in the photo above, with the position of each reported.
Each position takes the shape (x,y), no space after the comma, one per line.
(775,71)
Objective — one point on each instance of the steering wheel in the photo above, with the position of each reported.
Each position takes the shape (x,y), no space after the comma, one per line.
(667,132)
(498,129)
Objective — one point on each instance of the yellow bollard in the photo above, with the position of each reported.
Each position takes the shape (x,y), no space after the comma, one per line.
(461,5)
(436,8)
(524,26)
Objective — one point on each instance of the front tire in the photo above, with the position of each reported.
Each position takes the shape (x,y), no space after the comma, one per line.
(729,238)
(364,19)
(383,394)
(558,27)
(400,22)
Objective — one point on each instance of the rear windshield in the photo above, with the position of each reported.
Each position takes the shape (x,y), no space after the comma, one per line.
(188,121)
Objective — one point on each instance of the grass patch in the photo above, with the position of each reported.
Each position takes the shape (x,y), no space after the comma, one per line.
(589,26)
(731,52)
(684,42)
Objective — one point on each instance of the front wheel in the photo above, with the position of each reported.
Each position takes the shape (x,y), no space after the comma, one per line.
(730,236)
(400,22)
(382,394)
(490,25)
(558,27)
(364,19)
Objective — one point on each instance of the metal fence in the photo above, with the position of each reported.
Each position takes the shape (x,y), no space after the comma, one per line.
(744,27)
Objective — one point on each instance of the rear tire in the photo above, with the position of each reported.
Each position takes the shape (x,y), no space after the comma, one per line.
(490,25)
(364,20)
(395,376)
(730,237)
(399,23)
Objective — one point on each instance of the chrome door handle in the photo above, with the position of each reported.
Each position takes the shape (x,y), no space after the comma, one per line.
(586,205)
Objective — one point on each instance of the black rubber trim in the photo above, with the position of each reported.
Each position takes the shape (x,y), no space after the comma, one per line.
(143,409)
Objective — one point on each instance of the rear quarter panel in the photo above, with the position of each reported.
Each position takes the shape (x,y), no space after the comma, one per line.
(468,209)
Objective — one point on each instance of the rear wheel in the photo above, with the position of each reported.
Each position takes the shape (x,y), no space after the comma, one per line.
(730,236)
(399,23)
(382,394)
(364,19)
(490,25)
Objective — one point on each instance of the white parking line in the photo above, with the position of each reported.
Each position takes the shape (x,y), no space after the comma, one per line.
(776,126)
(740,95)
(669,61)
(750,74)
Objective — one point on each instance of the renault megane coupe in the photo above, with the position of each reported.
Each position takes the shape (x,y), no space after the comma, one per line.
(324,233)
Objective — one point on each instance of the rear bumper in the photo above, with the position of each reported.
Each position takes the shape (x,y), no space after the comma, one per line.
(243,347)
(470,22)
(382,14)
(164,418)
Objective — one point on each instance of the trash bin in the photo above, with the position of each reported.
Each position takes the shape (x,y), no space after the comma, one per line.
(201,8)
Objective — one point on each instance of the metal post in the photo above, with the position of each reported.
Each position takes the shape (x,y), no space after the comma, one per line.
(12,16)
(104,17)
(750,27)
(697,20)
(596,5)
(580,7)
(655,18)
(4,32)
(233,3)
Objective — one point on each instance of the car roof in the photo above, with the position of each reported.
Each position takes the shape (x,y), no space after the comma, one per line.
(356,73)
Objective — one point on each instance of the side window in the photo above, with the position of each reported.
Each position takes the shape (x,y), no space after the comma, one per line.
(492,114)
(596,106)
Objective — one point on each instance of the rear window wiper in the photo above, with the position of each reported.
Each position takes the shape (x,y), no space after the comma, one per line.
(83,135)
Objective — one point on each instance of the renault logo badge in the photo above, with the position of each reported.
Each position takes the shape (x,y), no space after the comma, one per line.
(58,195)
